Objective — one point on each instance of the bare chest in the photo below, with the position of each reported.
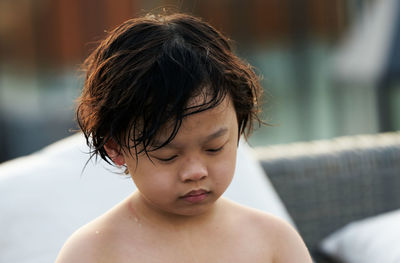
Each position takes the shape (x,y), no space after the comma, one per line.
(220,249)
(218,254)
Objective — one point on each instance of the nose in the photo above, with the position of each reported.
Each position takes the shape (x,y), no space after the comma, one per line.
(193,169)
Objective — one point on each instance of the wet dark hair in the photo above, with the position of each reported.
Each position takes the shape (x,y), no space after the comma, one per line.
(144,74)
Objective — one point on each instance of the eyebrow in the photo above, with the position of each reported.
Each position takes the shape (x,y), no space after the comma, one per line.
(220,132)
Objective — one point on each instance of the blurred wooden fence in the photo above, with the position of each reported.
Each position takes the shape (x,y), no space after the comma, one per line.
(59,32)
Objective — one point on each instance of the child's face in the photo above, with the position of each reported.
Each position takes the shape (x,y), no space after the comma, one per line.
(189,174)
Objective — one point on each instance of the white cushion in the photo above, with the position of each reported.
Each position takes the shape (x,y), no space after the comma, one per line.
(372,240)
(46,196)
(250,185)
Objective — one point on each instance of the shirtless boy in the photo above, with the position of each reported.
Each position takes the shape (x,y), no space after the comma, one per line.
(166,99)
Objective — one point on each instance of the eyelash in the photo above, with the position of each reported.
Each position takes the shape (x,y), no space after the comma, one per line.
(215,150)
(167,159)
(173,157)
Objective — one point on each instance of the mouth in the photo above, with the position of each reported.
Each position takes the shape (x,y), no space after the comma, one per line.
(195,196)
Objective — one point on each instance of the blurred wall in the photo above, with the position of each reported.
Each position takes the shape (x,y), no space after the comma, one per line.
(43,43)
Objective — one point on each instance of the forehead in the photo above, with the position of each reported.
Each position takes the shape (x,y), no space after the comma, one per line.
(212,122)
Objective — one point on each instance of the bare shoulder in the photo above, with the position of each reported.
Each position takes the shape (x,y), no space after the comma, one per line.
(95,241)
(284,242)
(85,245)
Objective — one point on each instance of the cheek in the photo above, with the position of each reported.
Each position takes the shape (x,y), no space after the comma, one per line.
(152,181)
(224,168)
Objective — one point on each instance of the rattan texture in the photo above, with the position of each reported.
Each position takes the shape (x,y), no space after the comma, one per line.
(327,184)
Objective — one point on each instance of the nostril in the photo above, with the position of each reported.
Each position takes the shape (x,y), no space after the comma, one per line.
(195,177)
(193,170)
(198,178)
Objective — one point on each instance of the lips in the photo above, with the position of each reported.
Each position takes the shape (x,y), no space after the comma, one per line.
(196,196)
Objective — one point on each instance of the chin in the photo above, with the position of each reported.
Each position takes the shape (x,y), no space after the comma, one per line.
(196,210)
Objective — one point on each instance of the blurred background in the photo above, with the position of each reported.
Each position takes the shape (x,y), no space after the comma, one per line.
(329,67)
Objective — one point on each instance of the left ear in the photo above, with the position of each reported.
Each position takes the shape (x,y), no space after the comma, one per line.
(113,151)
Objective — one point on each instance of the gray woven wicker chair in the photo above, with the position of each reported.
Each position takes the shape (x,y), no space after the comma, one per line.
(327,184)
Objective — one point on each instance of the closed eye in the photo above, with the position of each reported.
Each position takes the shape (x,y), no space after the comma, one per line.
(215,150)
(166,159)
